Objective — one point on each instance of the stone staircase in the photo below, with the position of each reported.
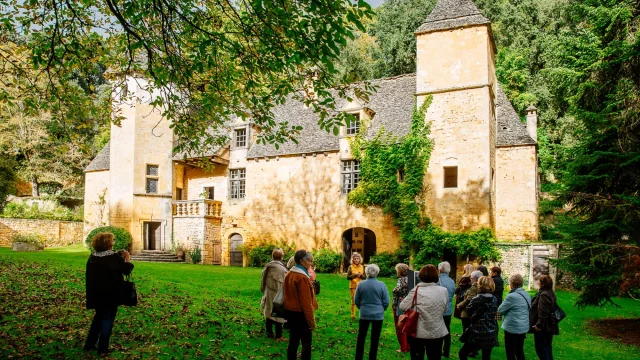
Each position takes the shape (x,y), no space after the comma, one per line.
(156,256)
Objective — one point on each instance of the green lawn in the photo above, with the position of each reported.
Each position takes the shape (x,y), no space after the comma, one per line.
(189,311)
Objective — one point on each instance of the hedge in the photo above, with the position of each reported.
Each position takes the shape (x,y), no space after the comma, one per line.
(122,238)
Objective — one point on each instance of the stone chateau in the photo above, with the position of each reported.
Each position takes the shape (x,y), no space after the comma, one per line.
(482,172)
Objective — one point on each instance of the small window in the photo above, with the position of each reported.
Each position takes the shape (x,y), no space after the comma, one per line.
(401,175)
(208,191)
(241,137)
(350,175)
(353,127)
(178,194)
(450,176)
(237,183)
(152,179)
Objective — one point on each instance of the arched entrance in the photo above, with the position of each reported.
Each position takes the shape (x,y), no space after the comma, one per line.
(359,240)
(236,255)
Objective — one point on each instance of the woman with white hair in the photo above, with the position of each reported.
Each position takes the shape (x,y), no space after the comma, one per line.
(355,273)
(444,268)
(372,298)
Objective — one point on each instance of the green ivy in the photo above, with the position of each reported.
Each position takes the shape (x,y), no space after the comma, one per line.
(382,159)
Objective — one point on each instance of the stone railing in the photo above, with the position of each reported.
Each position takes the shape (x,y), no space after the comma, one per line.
(197,208)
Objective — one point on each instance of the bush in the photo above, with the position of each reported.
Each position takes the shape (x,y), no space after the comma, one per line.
(34,239)
(259,255)
(195,254)
(25,211)
(7,180)
(122,239)
(387,262)
(327,260)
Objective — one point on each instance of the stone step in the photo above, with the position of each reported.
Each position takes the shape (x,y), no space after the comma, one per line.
(154,252)
(155,255)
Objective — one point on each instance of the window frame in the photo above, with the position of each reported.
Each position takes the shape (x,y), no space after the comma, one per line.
(353,173)
(445,184)
(210,191)
(150,177)
(244,138)
(350,130)
(238,182)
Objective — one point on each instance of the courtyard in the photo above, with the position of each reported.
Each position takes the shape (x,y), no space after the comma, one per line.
(195,311)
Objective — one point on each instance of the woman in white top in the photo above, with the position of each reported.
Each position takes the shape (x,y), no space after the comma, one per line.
(431,303)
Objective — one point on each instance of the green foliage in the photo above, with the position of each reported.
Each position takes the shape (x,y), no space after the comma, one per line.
(7,180)
(387,261)
(232,59)
(121,237)
(260,254)
(195,254)
(381,159)
(34,239)
(326,260)
(21,210)
(597,68)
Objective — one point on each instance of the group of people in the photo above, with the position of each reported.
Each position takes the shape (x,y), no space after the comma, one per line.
(478,299)
(478,303)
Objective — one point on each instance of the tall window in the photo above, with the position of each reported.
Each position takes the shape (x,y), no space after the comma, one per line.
(152,179)
(350,175)
(241,137)
(354,125)
(236,183)
(451,176)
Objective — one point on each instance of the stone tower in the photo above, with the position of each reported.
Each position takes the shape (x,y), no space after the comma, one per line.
(455,65)
(141,173)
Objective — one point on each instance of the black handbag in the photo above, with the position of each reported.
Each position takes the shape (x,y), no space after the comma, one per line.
(316,286)
(557,315)
(128,294)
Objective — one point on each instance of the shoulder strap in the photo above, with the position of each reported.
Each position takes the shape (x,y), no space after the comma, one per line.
(415,296)
(525,300)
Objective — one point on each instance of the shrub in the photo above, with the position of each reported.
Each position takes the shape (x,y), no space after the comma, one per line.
(122,239)
(259,255)
(195,254)
(24,211)
(327,260)
(387,261)
(34,239)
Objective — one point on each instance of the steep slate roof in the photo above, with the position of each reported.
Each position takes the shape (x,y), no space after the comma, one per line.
(101,161)
(511,131)
(392,103)
(451,14)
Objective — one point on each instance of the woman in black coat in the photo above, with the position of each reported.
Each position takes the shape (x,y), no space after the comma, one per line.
(542,324)
(104,280)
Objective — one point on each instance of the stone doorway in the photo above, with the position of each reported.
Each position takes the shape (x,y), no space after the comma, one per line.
(236,255)
(152,235)
(360,240)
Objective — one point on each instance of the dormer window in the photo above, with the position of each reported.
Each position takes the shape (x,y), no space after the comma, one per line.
(240,136)
(353,125)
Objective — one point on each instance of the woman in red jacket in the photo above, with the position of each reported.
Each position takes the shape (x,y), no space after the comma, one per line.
(300,303)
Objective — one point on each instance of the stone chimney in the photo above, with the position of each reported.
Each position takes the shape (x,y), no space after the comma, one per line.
(532,122)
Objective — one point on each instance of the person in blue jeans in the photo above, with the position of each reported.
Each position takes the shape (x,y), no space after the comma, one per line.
(372,298)
(515,314)
(444,268)
(104,281)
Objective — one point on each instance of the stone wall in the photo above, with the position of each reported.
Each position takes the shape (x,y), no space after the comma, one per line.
(96,200)
(528,260)
(198,231)
(55,233)
(516,193)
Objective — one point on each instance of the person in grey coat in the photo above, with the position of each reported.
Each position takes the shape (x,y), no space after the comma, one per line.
(515,313)
(272,278)
(372,298)
(445,281)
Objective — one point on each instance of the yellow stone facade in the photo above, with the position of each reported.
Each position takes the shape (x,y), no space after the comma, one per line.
(297,197)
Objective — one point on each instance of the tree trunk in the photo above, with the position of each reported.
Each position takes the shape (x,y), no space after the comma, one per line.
(35,187)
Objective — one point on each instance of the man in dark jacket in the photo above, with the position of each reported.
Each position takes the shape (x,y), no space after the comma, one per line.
(104,281)
(496,275)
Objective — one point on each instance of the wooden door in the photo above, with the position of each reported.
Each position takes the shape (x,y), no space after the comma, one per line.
(217,253)
(236,255)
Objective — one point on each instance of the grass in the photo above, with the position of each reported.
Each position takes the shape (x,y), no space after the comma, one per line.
(194,311)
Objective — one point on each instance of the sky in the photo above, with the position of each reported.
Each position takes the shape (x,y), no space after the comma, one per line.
(375,3)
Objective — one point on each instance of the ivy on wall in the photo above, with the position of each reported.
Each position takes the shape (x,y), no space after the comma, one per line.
(392,171)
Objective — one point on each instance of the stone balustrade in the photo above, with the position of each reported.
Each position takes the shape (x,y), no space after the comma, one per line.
(197,208)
